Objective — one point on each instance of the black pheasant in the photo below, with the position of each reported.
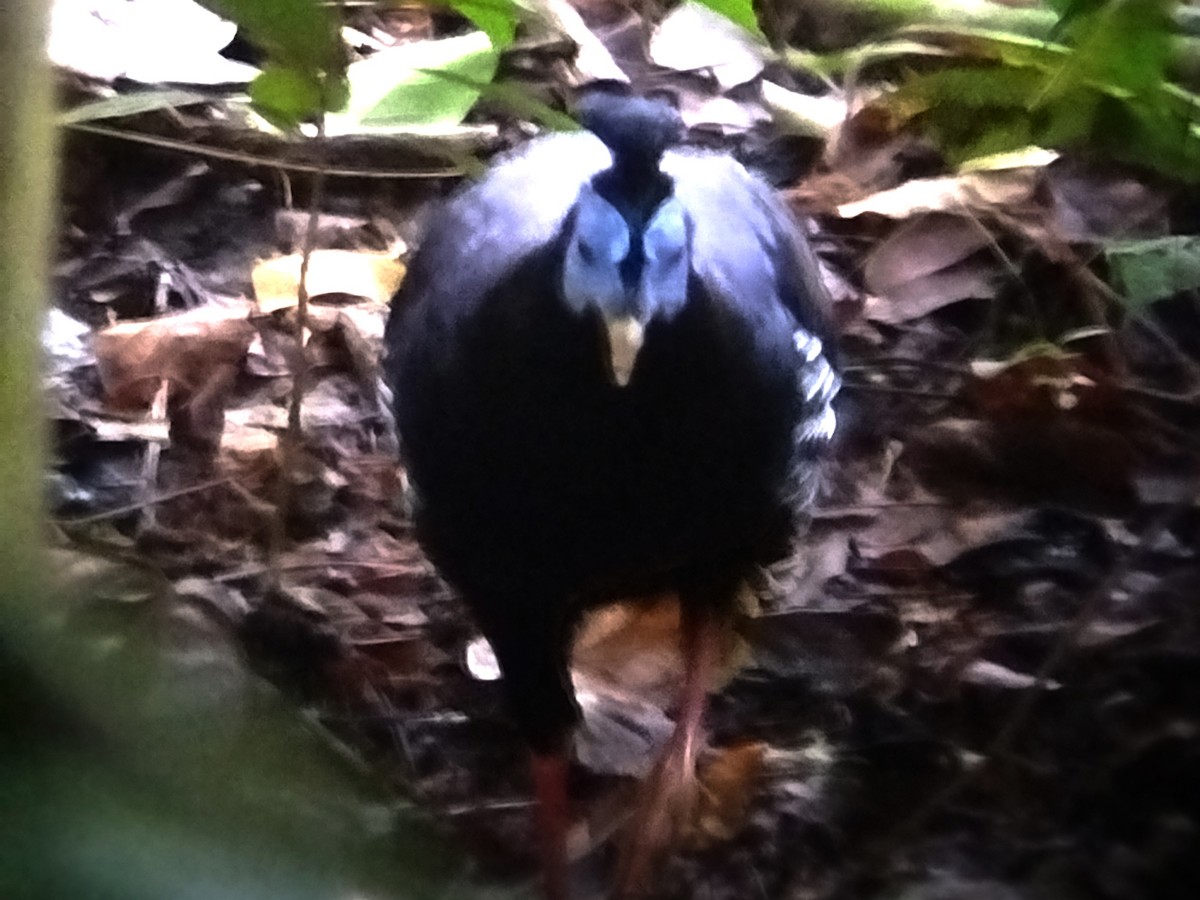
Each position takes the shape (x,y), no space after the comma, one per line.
(610,369)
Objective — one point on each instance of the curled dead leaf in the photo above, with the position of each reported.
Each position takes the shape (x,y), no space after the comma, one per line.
(927,263)
(134,358)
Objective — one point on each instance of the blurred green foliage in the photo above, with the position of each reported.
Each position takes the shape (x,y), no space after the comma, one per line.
(1101,88)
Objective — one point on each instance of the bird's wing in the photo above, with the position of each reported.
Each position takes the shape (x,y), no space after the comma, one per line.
(745,243)
(749,249)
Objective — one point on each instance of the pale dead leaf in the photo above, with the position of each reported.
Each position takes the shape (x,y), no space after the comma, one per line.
(806,114)
(151,41)
(621,733)
(152,431)
(374,276)
(982,191)
(722,115)
(928,263)
(245,442)
(694,37)
(990,674)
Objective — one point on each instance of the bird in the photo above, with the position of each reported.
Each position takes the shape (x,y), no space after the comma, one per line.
(613,373)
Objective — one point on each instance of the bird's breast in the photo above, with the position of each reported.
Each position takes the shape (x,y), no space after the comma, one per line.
(550,461)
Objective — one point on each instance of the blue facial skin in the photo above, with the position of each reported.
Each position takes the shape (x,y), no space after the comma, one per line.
(624,269)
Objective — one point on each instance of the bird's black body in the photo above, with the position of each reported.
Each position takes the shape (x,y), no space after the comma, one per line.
(543,486)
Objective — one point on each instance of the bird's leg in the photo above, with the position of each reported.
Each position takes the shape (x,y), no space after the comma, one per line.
(552,816)
(530,637)
(668,795)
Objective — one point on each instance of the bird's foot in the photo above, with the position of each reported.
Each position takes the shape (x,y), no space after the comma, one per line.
(552,818)
(664,813)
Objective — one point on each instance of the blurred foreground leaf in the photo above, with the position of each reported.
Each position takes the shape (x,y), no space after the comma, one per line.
(141,762)
(306,60)
(1103,90)
(1146,271)
(404,86)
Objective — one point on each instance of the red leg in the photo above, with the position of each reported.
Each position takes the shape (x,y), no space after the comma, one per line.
(668,796)
(552,816)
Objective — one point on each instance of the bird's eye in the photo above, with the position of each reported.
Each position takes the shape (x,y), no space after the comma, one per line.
(587,253)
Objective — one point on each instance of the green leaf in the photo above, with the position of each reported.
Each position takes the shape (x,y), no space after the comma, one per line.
(1105,95)
(424,83)
(516,97)
(299,33)
(1120,44)
(286,96)
(495,18)
(1150,270)
(740,12)
(305,73)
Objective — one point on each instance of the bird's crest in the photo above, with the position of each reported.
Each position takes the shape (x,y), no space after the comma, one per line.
(637,131)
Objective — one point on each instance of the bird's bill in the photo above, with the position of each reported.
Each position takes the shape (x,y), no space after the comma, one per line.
(625,337)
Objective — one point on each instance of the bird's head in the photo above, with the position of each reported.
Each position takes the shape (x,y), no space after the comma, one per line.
(627,256)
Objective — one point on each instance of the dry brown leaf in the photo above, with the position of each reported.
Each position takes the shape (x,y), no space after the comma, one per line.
(1047,385)
(902,567)
(633,647)
(134,358)
(401,655)
(728,785)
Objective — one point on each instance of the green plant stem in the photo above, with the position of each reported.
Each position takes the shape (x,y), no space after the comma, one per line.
(27,172)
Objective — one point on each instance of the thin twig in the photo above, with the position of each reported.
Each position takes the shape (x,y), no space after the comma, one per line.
(906,392)
(292,439)
(863,508)
(157,414)
(251,159)
(382,568)
(1014,271)
(1091,286)
(879,362)
(157,499)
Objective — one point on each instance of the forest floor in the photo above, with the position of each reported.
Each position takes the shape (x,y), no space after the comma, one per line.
(978,677)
